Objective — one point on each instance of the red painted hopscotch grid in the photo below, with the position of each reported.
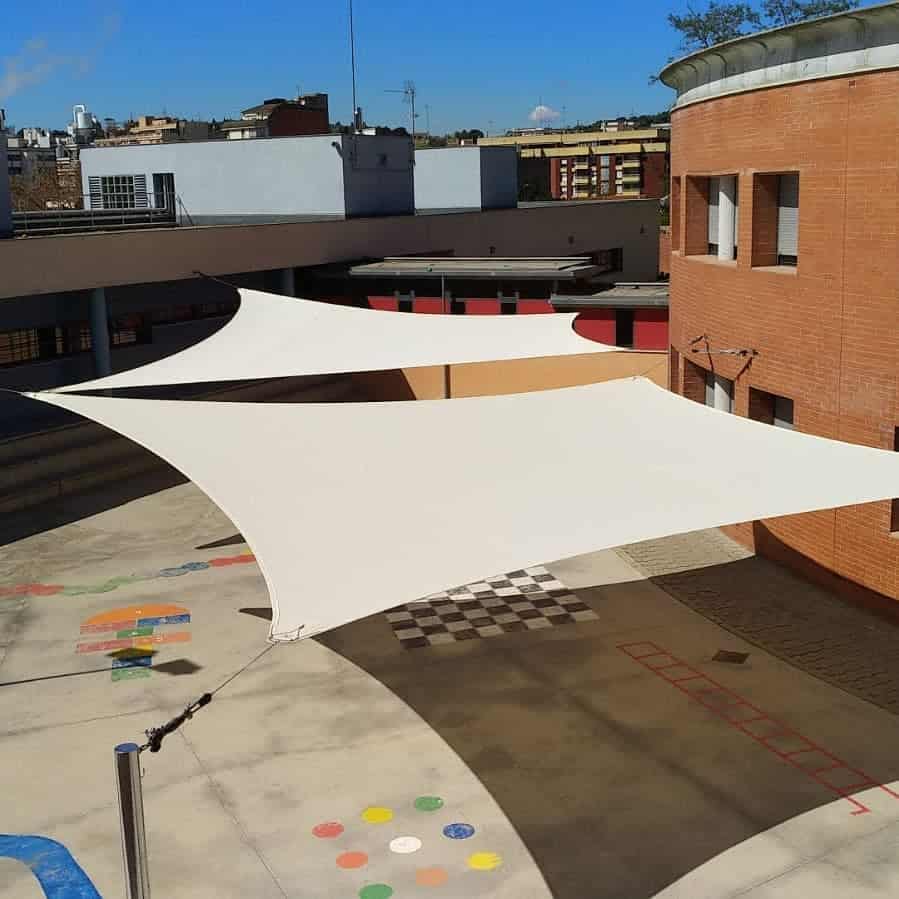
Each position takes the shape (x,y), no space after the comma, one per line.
(787,744)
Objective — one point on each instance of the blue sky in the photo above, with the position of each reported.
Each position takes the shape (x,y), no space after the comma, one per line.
(474,63)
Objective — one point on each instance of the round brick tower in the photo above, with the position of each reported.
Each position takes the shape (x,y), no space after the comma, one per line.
(785,259)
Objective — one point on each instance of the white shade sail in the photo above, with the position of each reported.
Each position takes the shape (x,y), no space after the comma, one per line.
(273,336)
(354,508)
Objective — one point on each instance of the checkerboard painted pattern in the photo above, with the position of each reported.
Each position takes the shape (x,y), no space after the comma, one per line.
(524,600)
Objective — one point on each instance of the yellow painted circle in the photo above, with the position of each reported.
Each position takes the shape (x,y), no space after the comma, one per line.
(376,814)
(484,861)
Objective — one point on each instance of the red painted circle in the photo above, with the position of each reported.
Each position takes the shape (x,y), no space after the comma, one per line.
(352,860)
(328,830)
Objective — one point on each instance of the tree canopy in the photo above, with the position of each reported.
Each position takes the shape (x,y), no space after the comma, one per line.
(723,21)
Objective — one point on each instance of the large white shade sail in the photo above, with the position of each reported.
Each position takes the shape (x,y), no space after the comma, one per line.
(274,336)
(354,508)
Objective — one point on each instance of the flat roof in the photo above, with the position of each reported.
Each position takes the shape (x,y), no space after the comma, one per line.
(624,295)
(529,267)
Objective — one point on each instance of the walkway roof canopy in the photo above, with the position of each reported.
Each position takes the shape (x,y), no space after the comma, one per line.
(536,268)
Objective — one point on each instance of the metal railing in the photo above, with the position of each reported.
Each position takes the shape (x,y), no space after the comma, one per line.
(111,217)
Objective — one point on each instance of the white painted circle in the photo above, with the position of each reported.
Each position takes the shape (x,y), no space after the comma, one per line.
(405,845)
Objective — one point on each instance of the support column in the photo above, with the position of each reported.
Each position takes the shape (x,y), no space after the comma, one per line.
(727,207)
(100,333)
(288,282)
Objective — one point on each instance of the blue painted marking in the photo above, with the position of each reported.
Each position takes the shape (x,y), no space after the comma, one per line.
(59,875)
(195,566)
(173,572)
(458,831)
(139,662)
(164,619)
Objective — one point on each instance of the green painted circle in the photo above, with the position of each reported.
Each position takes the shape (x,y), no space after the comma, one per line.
(376,891)
(428,803)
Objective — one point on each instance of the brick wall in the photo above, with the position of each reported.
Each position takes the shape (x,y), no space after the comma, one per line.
(664,249)
(826,332)
(655,175)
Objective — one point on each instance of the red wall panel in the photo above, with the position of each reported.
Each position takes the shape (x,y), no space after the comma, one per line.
(650,329)
(482,307)
(432,305)
(597,324)
(388,304)
(528,307)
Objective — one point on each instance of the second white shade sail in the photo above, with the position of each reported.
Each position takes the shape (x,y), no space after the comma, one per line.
(273,336)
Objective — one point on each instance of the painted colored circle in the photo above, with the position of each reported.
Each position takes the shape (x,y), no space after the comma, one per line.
(376,891)
(195,566)
(431,877)
(484,861)
(172,572)
(327,830)
(458,831)
(376,814)
(428,803)
(352,860)
(405,845)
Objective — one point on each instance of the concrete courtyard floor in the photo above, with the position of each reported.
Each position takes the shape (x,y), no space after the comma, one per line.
(582,772)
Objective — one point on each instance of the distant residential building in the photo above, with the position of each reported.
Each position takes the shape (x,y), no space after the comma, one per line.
(585,165)
(277,117)
(272,180)
(5,199)
(157,130)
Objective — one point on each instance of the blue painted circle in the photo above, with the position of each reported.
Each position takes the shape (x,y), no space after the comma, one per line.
(127,747)
(172,572)
(458,831)
(195,566)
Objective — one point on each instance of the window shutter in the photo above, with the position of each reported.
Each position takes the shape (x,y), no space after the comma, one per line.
(95,192)
(788,215)
(141,201)
(713,210)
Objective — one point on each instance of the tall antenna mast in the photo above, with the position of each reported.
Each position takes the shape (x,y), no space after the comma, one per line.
(353,63)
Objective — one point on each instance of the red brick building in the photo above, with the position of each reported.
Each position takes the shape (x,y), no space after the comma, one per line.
(278,117)
(785,258)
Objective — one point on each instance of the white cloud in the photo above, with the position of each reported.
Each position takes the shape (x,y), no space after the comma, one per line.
(543,113)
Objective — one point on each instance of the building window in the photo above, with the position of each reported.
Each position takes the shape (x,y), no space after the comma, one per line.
(723,216)
(19,346)
(771,408)
(787,219)
(122,192)
(719,392)
(163,190)
(894,505)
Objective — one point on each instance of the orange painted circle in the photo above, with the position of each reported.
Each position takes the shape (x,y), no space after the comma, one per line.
(431,877)
(126,613)
(352,860)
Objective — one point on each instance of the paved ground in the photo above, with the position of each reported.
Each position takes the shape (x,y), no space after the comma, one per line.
(610,751)
(303,738)
(769,606)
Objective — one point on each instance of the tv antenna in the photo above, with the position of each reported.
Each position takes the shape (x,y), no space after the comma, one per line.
(408,91)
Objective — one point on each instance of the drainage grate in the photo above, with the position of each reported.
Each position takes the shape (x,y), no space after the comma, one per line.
(732,658)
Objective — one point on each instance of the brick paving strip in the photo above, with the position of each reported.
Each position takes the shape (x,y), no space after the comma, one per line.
(767,605)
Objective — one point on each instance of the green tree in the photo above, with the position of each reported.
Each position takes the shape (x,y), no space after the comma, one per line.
(719,22)
(785,12)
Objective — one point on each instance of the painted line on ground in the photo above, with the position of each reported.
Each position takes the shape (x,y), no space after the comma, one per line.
(644,651)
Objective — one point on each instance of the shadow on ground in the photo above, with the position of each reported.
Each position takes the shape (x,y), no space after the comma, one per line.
(617,783)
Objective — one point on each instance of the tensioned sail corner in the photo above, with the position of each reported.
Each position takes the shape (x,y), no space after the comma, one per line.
(345,521)
(273,336)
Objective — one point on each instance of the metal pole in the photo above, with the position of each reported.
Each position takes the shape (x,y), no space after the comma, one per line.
(99,332)
(443,305)
(131,808)
(353,64)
